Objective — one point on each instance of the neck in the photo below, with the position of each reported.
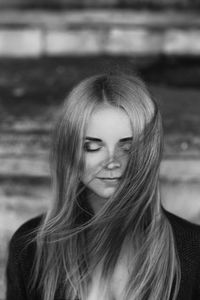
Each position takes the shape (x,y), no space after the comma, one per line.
(96,202)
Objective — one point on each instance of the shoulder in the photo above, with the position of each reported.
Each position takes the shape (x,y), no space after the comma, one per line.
(27,228)
(23,237)
(21,254)
(186,234)
(181,223)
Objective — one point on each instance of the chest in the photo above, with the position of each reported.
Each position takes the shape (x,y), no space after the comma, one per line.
(115,289)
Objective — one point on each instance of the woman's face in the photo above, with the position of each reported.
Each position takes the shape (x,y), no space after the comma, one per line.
(106,153)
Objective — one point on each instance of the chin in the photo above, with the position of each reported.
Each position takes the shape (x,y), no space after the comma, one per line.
(106,194)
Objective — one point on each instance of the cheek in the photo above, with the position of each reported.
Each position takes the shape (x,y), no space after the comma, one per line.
(92,165)
(124,161)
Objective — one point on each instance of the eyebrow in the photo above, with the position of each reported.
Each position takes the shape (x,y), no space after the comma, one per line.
(93,139)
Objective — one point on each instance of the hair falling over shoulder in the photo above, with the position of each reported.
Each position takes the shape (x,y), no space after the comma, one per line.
(72,241)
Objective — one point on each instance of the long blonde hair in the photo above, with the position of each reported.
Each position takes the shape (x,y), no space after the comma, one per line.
(132,214)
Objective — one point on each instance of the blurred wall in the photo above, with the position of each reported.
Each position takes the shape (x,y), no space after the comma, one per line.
(56,4)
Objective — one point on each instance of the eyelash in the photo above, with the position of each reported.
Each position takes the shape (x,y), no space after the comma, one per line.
(127,150)
(86,148)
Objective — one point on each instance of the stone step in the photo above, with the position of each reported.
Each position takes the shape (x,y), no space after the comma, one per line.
(20,201)
(69,4)
(127,32)
(172,170)
(91,17)
(25,151)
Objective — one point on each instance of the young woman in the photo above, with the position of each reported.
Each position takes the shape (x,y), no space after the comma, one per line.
(106,235)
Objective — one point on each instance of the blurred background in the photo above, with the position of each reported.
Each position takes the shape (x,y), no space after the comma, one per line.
(47,46)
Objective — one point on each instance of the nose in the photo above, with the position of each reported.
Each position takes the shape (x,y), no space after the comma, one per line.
(112,163)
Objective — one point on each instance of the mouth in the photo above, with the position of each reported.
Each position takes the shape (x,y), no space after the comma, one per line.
(110,179)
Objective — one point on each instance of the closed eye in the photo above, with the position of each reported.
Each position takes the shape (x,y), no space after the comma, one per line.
(126,147)
(91,147)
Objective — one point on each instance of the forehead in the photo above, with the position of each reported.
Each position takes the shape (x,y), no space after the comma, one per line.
(108,121)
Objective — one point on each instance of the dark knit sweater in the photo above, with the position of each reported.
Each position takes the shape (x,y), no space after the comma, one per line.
(187,236)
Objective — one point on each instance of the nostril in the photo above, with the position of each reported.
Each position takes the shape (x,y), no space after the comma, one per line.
(112,164)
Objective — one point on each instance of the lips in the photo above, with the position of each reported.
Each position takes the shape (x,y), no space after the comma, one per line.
(110,180)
